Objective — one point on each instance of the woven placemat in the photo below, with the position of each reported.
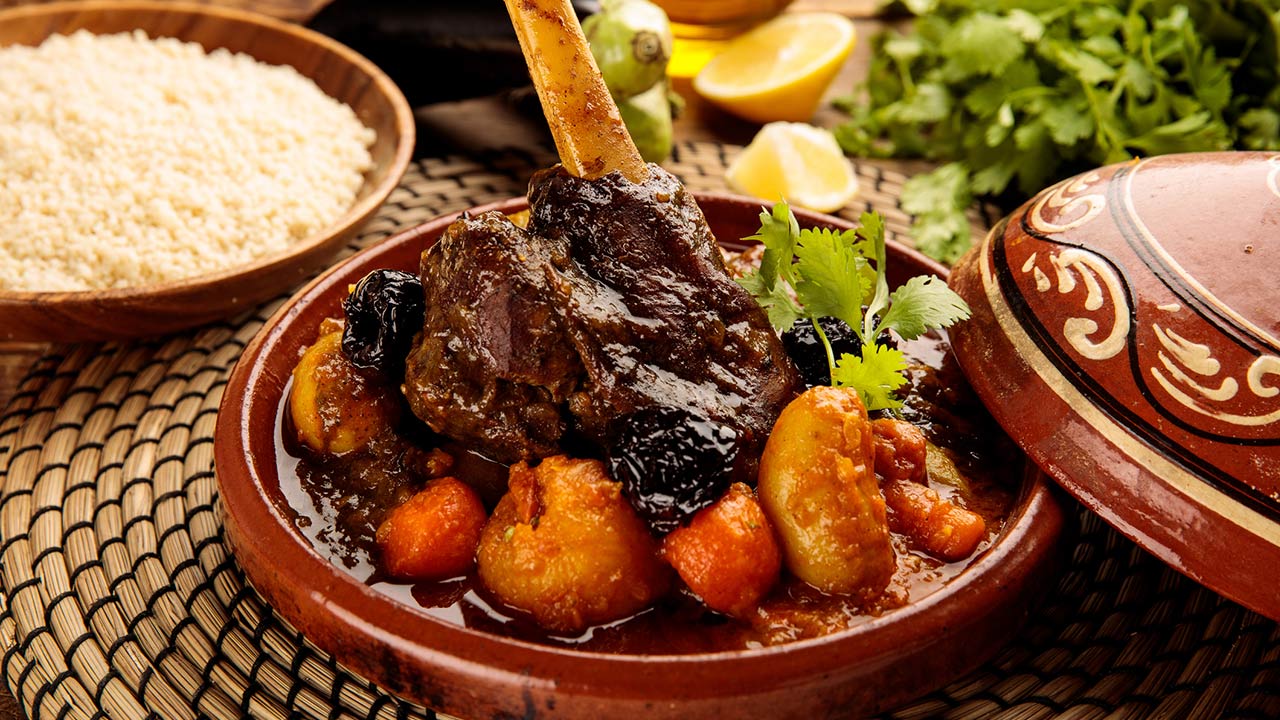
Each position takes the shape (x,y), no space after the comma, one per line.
(120,599)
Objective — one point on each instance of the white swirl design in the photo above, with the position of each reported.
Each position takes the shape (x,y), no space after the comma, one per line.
(1181,358)
(1149,464)
(1273,177)
(1066,199)
(1102,287)
(1263,366)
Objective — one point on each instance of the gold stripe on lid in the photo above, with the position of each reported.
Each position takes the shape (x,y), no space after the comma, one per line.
(1139,452)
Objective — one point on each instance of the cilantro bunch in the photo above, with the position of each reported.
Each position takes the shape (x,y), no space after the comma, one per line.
(813,273)
(1015,95)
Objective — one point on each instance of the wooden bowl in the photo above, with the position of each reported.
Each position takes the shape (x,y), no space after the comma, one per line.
(162,308)
(474,674)
(1126,335)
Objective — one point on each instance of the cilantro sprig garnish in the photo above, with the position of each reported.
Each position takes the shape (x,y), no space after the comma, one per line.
(813,273)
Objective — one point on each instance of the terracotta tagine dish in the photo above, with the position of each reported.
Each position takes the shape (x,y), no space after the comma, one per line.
(1126,334)
(574,456)
(440,644)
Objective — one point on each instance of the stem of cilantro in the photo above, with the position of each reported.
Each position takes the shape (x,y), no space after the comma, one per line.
(826,345)
(904,76)
(880,301)
(1105,136)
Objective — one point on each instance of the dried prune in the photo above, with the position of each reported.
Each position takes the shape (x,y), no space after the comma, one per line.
(384,311)
(671,463)
(806,351)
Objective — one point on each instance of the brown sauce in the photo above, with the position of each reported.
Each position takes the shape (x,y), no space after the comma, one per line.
(338,502)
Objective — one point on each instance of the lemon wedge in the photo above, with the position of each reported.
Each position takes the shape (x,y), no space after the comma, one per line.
(799,163)
(779,70)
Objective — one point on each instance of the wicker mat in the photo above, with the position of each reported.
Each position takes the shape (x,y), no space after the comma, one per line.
(120,599)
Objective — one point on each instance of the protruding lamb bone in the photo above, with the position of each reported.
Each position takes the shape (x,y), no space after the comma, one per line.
(589,133)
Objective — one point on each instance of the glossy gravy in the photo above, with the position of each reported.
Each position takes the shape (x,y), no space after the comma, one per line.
(338,502)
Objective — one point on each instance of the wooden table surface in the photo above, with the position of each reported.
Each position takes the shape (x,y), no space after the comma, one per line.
(454,128)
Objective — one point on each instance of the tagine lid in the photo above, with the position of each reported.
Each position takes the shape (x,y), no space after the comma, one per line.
(1125,333)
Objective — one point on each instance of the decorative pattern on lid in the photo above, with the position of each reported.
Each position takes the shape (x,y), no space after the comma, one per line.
(1143,296)
(1138,332)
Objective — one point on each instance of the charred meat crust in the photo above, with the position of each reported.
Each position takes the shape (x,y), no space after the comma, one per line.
(616,298)
(493,366)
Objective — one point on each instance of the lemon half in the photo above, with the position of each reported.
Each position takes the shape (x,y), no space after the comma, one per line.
(799,163)
(779,70)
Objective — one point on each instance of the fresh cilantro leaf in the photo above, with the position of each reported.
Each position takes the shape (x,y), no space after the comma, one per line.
(993,178)
(1028,26)
(944,235)
(1262,128)
(781,307)
(921,7)
(1105,48)
(938,200)
(1029,135)
(876,375)
(778,232)
(903,49)
(833,279)
(1039,7)
(985,98)
(870,234)
(1137,79)
(999,132)
(1035,146)
(843,275)
(929,103)
(921,304)
(1098,21)
(1210,80)
(1194,131)
(855,140)
(945,187)
(981,43)
(1068,122)
(1086,67)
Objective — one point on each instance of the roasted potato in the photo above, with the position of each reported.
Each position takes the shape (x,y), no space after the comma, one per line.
(565,546)
(818,487)
(334,407)
(434,534)
(727,554)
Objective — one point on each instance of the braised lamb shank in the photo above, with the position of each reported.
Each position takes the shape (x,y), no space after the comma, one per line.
(616,298)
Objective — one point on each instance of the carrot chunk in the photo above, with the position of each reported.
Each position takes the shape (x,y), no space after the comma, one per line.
(936,525)
(900,450)
(433,535)
(727,554)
